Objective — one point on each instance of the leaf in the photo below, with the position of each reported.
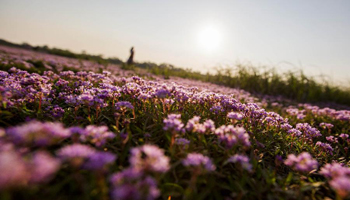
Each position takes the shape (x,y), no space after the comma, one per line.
(173,189)
(288,179)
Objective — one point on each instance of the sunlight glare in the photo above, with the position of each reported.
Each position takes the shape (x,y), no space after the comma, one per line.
(209,38)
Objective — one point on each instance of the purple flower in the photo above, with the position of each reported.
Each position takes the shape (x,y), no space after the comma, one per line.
(232,136)
(182,141)
(217,109)
(301,116)
(198,160)
(209,125)
(43,167)
(309,132)
(234,115)
(334,170)
(332,139)
(173,123)
(38,133)
(242,160)
(96,135)
(339,177)
(162,93)
(86,99)
(302,163)
(149,158)
(193,125)
(74,151)
(287,127)
(56,111)
(344,136)
(325,147)
(169,101)
(13,170)
(326,125)
(131,184)
(341,185)
(123,106)
(295,132)
(99,160)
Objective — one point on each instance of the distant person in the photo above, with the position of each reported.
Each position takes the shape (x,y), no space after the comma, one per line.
(131,58)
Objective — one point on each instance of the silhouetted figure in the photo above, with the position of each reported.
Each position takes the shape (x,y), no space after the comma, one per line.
(131,58)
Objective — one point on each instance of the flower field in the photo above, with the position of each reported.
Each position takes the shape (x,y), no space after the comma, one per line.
(73,129)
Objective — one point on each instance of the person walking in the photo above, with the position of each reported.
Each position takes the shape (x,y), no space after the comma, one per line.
(131,58)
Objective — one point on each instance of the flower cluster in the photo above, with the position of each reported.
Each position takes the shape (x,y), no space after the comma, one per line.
(132,184)
(123,106)
(18,171)
(242,160)
(182,141)
(339,177)
(193,125)
(80,155)
(173,123)
(325,147)
(199,161)
(97,135)
(149,158)
(326,125)
(86,106)
(308,131)
(38,133)
(232,136)
(235,115)
(303,162)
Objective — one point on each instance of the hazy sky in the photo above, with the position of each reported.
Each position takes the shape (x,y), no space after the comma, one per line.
(312,35)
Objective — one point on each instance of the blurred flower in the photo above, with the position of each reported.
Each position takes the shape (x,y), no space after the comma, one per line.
(332,139)
(242,160)
(198,160)
(334,170)
(123,106)
(302,163)
(99,160)
(217,109)
(76,154)
(182,141)
(38,133)
(13,170)
(344,136)
(162,93)
(96,135)
(295,132)
(55,111)
(173,123)
(209,125)
(325,147)
(149,158)
(232,136)
(43,166)
(341,185)
(234,115)
(309,132)
(326,125)
(131,184)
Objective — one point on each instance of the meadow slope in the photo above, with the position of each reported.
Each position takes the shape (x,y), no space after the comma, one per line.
(78,129)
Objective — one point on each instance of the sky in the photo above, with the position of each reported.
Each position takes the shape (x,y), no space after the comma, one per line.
(311,35)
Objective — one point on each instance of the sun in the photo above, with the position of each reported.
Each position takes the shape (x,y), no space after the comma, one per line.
(209,38)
